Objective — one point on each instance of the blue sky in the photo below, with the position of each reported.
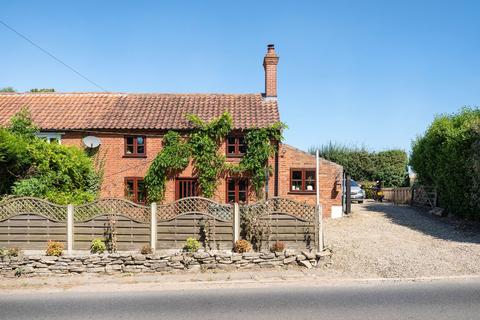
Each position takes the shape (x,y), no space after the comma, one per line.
(364,72)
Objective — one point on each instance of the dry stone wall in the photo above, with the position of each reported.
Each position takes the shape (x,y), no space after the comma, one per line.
(137,263)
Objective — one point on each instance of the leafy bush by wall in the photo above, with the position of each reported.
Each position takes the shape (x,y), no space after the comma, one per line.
(29,166)
(447,156)
(389,166)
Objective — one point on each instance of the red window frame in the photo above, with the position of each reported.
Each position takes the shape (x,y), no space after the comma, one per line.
(236,145)
(236,190)
(186,187)
(135,192)
(135,145)
(302,180)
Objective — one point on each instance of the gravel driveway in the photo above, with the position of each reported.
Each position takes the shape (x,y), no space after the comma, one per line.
(386,240)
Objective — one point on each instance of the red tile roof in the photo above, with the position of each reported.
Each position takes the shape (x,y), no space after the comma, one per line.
(78,111)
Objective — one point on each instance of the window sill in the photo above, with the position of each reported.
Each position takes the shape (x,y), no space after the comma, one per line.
(302,192)
(134,156)
(235,155)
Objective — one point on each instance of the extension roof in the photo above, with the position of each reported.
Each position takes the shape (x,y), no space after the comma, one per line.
(116,111)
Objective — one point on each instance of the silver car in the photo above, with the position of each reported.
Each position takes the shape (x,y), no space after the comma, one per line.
(356,193)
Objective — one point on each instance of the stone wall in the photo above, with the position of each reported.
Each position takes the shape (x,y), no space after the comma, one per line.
(138,263)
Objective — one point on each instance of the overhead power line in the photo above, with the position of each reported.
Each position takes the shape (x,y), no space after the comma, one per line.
(52,56)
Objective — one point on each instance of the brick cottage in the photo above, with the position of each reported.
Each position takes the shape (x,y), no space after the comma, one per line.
(130,128)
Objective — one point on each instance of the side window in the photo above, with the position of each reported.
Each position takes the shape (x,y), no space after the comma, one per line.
(135,146)
(302,180)
(236,146)
(50,137)
(135,189)
(237,190)
(186,187)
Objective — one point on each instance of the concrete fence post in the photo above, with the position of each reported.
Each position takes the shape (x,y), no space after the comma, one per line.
(70,229)
(319,228)
(236,223)
(153,226)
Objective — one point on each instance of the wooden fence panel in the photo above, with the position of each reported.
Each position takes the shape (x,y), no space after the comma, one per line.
(398,195)
(295,233)
(171,234)
(31,232)
(131,235)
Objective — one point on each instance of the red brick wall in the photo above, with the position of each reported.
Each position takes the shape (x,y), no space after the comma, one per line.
(117,167)
(330,174)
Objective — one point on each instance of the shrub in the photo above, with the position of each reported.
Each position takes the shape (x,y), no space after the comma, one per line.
(191,245)
(98,246)
(363,165)
(3,252)
(146,249)
(367,187)
(14,252)
(447,157)
(19,272)
(29,166)
(242,246)
(54,248)
(278,246)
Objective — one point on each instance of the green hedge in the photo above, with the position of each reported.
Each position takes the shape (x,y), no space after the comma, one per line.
(447,156)
(389,166)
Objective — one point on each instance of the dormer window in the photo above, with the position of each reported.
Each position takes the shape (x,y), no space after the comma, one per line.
(135,146)
(236,146)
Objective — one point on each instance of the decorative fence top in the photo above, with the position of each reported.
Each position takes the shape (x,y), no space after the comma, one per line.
(109,207)
(28,205)
(277,205)
(198,205)
(140,213)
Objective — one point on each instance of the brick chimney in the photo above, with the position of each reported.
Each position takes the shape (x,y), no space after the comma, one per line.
(270,65)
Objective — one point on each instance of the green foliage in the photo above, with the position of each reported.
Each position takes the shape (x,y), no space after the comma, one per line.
(19,271)
(29,166)
(14,252)
(389,166)
(191,245)
(203,146)
(22,124)
(174,157)
(98,246)
(54,248)
(447,156)
(10,252)
(7,89)
(35,90)
(205,141)
(367,186)
(260,142)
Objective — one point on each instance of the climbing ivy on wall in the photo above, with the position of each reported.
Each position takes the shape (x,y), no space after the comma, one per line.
(174,157)
(260,146)
(203,147)
(205,142)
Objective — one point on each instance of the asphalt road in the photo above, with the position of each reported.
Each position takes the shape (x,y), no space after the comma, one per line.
(433,300)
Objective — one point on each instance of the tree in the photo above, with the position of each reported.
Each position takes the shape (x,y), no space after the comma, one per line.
(35,90)
(447,156)
(389,166)
(7,89)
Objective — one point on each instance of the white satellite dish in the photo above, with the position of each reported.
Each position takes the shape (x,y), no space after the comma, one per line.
(91,142)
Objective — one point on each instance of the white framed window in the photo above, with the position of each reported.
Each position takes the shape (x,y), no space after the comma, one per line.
(51,137)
